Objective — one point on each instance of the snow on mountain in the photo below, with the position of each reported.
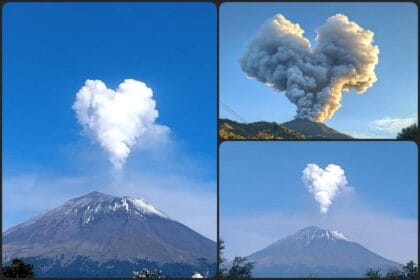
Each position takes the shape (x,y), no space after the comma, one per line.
(338,235)
(99,229)
(316,251)
(312,233)
(145,208)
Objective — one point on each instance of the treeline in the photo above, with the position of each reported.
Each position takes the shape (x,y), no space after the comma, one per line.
(240,268)
(408,271)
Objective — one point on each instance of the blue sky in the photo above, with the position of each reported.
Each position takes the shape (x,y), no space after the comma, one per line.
(262,195)
(392,99)
(49,50)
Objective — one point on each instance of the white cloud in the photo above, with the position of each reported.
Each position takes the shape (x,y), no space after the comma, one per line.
(118,119)
(392,125)
(324,184)
(360,134)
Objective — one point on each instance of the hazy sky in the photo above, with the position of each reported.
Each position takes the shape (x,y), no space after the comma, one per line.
(49,50)
(382,110)
(263,198)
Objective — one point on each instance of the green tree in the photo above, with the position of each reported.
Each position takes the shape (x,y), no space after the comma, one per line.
(373,274)
(410,270)
(241,268)
(395,274)
(18,269)
(203,266)
(145,273)
(221,260)
(408,133)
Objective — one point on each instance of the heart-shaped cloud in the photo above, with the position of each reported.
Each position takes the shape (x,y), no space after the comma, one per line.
(118,119)
(324,184)
(281,57)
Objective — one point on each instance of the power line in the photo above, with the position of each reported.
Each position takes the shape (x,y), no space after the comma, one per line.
(230,110)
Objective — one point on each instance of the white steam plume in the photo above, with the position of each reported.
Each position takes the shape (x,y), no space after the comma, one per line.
(118,119)
(324,184)
(281,57)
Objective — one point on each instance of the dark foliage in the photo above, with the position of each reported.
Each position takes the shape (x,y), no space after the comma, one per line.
(18,269)
(145,273)
(410,270)
(373,274)
(241,267)
(407,272)
(83,267)
(408,133)
(221,259)
(395,274)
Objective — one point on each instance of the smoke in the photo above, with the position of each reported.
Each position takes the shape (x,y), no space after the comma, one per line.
(312,78)
(118,119)
(324,184)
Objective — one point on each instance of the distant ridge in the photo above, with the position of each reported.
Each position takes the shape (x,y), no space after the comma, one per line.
(229,129)
(295,129)
(319,252)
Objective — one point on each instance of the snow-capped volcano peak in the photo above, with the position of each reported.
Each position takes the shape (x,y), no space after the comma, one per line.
(313,232)
(143,206)
(95,205)
(327,253)
(96,234)
(338,235)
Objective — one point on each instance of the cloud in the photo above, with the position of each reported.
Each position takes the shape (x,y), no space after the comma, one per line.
(324,184)
(392,125)
(119,119)
(313,79)
(390,236)
(360,134)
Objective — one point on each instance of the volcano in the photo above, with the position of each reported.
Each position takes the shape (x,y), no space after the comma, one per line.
(314,130)
(317,252)
(99,235)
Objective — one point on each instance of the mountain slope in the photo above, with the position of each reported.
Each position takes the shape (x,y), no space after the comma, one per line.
(315,130)
(318,252)
(229,129)
(295,129)
(96,229)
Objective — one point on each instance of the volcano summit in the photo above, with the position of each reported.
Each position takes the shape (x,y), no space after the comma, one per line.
(99,235)
(315,251)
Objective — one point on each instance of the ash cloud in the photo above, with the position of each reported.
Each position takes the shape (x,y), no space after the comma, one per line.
(119,119)
(313,79)
(324,184)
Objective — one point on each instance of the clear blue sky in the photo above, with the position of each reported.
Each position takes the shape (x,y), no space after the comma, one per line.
(262,178)
(394,95)
(49,50)
(271,174)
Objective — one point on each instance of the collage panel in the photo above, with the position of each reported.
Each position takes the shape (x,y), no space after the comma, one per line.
(212,139)
(319,209)
(312,70)
(104,175)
